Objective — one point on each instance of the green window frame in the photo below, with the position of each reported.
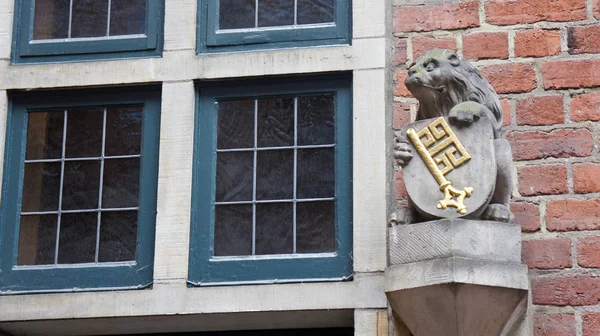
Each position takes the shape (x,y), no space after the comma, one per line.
(96,275)
(25,50)
(212,39)
(205,268)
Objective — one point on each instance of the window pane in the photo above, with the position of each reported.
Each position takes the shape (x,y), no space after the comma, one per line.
(236,124)
(118,233)
(44,135)
(37,240)
(89,18)
(121,183)
(316,173)
(127,17)
(123,130)
(51,19)
(315,229)
(233,230)
(77,241)
(275,13)
(315,11)
(274,228)
(316,120)
(275,122)
(236,14)
(275,174)
(81,185)
(41,187)
(234,176)
(84,133)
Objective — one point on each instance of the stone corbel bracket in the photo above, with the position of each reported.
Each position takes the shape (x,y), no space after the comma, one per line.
(457,278)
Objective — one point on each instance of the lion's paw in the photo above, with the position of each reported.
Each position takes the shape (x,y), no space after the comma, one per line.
(499,213)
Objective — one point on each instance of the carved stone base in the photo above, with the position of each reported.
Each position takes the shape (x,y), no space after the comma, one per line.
(458,277)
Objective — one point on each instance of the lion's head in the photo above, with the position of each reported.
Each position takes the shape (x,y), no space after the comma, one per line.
(440,80)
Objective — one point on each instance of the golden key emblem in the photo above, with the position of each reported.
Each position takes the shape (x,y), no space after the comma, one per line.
(440,137)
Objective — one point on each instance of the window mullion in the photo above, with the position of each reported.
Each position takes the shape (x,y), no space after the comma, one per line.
(294,201)
(108,19)
(100,185)
(254,168)
(70,18)
(60,191)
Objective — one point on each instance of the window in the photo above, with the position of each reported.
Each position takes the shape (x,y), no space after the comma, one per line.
(227,25)
(272,182)
(79,190)
(67,30)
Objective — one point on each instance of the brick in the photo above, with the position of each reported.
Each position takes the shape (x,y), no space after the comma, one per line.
(591,324)
(586,178)
(588,252)
(540,110)
(564,143)
(478,46)
(566,290)
(399,186)
(421,45)
(554,325)
(585,107)
(400,55)
(506,107)
(571,74)
(443,16)
(508,12)
(542,180)
(597,9)
(573,215)
(511,78)
(537,43)
(401,114)
(547,254)
(527,215)
(401,89)
(581,40)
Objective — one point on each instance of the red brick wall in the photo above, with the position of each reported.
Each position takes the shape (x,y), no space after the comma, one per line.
(543,58)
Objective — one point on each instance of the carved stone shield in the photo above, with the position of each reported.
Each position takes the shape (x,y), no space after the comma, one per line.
(453,170)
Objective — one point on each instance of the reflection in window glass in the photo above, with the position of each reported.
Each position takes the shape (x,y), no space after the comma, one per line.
(59,19)
(81,186)
(275,183)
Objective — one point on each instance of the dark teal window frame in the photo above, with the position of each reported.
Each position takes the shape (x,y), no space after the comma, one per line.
(71,278)
(23,51)
(204,269)
(210,39)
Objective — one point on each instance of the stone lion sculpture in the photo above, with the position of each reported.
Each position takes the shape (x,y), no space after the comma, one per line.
(448,86)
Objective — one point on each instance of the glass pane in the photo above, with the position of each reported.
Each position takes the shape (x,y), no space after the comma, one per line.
(123,130)
(44,135)
(81,185)
(118,234)
(276,122)
(315,228)
(77,241)
(41,187)
(51,19)
(236,124)
(315,11)
(274,228)
(236,14)
(233,230)
(234,176)
(275,174)
(127,17)
(84,133)
(37,240)
(316,120)
(121,183)
(89,18)
(316,177)
(275,13)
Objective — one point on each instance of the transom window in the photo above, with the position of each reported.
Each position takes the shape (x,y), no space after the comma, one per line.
(271,192)
(79,190)
(67,30)
(226,25)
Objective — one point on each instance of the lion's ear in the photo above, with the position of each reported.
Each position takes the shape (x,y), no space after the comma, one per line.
(454,60)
